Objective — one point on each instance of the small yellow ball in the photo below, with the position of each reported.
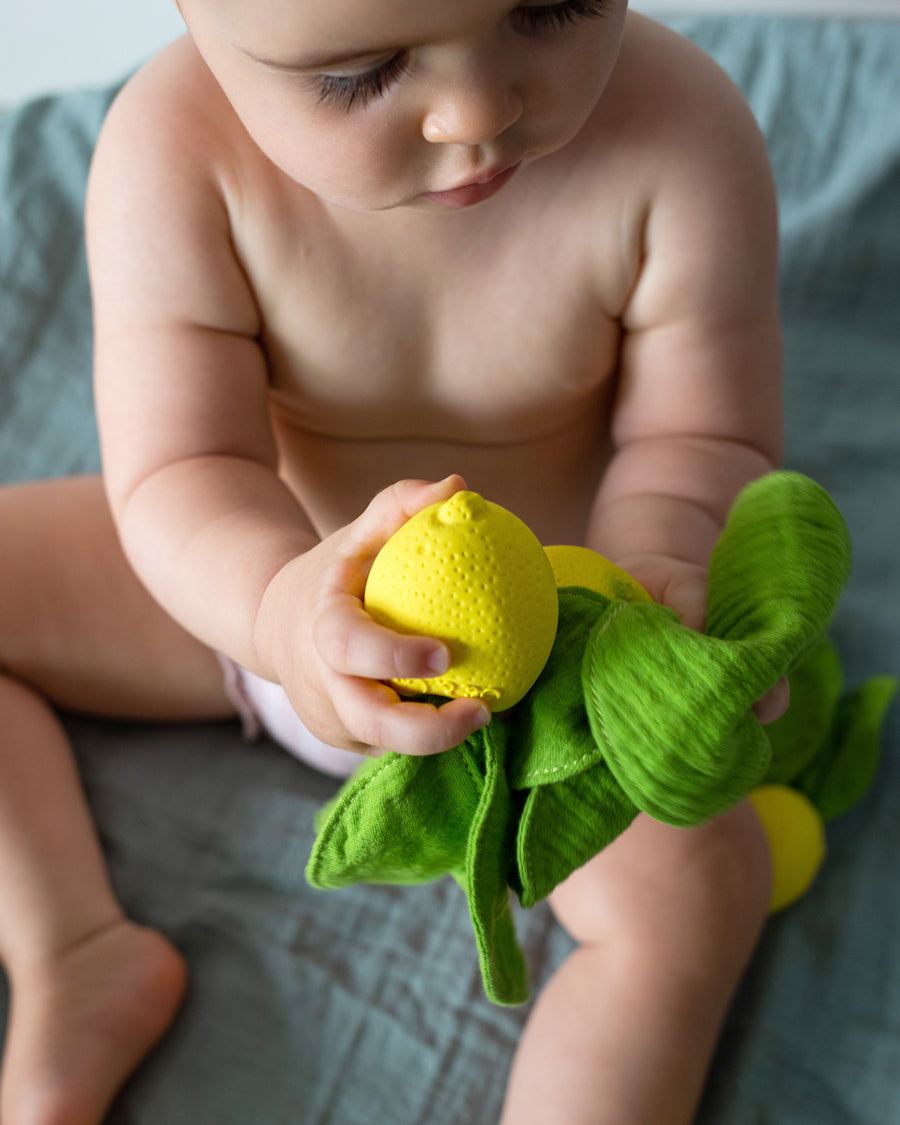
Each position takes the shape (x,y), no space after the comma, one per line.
(580,566)
(796,836)
(473,575)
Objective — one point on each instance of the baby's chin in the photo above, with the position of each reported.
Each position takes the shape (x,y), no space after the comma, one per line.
(380,205)
(374,202)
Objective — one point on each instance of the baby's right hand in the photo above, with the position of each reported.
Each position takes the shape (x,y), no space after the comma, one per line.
(331,657)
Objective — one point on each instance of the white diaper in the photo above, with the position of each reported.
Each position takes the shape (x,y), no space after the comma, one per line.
(262,705)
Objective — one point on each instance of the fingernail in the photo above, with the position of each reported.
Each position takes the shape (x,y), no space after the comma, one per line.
(485,716)
(439,661)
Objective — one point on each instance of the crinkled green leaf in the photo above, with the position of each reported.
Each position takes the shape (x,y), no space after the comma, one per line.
(802,731)
(844,769)
(671,711)
(551,737)
(564,825)
(402,820)
(488,857)
(779,566)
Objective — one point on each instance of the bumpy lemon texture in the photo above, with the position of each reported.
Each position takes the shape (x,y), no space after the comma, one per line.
(475,576)
(796,836)
(580,566)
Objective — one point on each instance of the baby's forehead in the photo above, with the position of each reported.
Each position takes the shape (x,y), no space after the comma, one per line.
(350,19)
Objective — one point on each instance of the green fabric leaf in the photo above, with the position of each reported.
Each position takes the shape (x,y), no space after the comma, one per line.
(671,711)
(799,735)
(670,708)
(564,825)
(488,857)
(779,566)
(550,735)
(844,769)
(401,820)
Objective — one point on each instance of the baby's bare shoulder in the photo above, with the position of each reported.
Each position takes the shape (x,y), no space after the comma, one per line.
(159,201)
(678,113)
(170,114)
(693,166)
(673,167)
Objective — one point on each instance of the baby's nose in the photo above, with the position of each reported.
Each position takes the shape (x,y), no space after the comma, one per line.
(474,108)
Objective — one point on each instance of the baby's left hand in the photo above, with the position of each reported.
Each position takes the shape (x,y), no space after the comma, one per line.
(682,586)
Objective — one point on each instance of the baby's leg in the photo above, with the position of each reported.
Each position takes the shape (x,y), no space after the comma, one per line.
(91,991)
(667,920)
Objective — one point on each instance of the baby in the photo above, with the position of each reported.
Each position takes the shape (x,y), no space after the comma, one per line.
(344,249)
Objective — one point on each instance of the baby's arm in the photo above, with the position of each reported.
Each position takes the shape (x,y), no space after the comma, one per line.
(698,410)
(190,461)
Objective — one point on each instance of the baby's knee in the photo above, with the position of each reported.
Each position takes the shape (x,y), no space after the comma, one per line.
(734,885)
(697,894)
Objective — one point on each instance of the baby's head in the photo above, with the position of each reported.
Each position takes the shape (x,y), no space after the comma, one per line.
(374,104)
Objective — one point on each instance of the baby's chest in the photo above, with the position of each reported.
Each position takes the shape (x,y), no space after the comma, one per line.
(504,344)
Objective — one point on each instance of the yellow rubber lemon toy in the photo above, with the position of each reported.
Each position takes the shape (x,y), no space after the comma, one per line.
(472,574)
(580,566)
(796,836)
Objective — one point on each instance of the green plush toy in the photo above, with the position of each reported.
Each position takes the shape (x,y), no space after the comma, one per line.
(632,712)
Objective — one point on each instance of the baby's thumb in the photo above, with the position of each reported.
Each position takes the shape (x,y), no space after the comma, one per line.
(394,505)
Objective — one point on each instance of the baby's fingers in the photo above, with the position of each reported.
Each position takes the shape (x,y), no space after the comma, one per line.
(352,644)
(379,718)
(774,703)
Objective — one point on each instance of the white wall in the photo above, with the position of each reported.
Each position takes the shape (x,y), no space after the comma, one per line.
(858,9)
(58,44)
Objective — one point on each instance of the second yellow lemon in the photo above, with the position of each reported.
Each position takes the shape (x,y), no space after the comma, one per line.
(796,836)
(580,566)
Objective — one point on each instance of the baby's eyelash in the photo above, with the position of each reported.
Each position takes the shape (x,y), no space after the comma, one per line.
(351,91)
(558,17)
(356,90)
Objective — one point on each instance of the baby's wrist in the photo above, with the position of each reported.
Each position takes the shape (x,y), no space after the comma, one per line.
(278,621)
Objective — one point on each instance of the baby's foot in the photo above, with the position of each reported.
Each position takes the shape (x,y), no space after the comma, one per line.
(79,1025)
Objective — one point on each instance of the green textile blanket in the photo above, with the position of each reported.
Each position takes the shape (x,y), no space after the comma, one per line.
(632,711)
(366,1006)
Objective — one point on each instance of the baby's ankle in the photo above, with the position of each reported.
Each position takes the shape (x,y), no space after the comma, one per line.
(83,1019)
(44,949)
